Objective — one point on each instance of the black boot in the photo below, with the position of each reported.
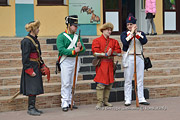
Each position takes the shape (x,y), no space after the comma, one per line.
(31,106)
(37,109)
(41,112)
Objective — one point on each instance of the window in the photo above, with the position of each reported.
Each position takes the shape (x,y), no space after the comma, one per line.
(3,2)
(50,2)
(170,4)
(111,5)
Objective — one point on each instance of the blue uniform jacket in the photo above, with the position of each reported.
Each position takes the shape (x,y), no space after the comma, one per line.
(126,43)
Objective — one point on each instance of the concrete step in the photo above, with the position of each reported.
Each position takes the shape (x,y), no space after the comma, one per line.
(89,67)
(16,71)
(7,44)
(165,63)
(17,62)
(148,81)
(17,48)
(153,56)
(163,56)
(117,37)
(87,85)
(160,67)
(17,40)
(8,55)
(15,80)
(161,91)
(149,44)
(91,75)
(169,73)
(161,49)
(52,40)
(163,37)
(47,100)
(88,52)
(162,71)
(161,80)
(162,43)
(10,90)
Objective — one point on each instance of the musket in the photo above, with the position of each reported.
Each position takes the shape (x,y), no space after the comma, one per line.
(135,73)
(14,96)
(75,70)
(58,69)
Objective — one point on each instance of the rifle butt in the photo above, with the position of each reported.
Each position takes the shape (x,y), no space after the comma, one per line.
(14,96)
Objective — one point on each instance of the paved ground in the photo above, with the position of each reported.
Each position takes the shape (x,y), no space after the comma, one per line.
(160,109)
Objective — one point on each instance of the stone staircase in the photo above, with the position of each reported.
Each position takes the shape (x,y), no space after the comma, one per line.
(163,80)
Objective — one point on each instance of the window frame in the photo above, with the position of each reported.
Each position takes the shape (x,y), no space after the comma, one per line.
(50,3)
(4,3)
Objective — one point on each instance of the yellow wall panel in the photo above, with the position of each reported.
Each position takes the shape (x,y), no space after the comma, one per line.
(7,19)
(159,16)
(99,25)
(52,19)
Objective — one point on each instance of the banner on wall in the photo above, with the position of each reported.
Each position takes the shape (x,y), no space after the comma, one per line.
(88,11)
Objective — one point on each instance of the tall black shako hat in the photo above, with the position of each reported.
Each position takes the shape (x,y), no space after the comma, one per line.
(72,20)
(131,19)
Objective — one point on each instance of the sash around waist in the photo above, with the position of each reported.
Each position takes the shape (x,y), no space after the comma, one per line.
(33,55)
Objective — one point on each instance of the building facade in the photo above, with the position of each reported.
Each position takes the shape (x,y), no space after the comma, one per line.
(15,14)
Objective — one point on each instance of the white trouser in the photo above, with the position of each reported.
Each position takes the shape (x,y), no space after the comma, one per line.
(128,75)
(67,76)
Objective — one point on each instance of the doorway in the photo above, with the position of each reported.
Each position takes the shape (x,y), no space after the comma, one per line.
(116,12)
(140,15)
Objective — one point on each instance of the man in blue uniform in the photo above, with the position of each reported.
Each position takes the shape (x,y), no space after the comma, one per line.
(127,39)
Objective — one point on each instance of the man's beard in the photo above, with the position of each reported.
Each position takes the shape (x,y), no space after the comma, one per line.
(71,31)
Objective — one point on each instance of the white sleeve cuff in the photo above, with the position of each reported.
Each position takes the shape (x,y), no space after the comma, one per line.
(129,36)
(139,33)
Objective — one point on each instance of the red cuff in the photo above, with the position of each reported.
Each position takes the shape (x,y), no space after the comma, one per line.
(137,36)
(29,71)
(131,37)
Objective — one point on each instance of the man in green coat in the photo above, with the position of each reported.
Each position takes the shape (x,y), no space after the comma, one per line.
(68,47)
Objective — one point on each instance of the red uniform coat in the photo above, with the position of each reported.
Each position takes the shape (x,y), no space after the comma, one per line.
(105,72)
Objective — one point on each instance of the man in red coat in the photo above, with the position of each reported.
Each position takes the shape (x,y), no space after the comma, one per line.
(105,48)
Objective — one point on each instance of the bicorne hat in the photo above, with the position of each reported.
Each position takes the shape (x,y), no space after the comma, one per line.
(131,19)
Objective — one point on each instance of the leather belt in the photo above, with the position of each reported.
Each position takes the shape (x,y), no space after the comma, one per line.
(35,59)
(109,57)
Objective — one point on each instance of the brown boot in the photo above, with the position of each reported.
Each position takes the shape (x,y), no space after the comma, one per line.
(100,95)
(106,95)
